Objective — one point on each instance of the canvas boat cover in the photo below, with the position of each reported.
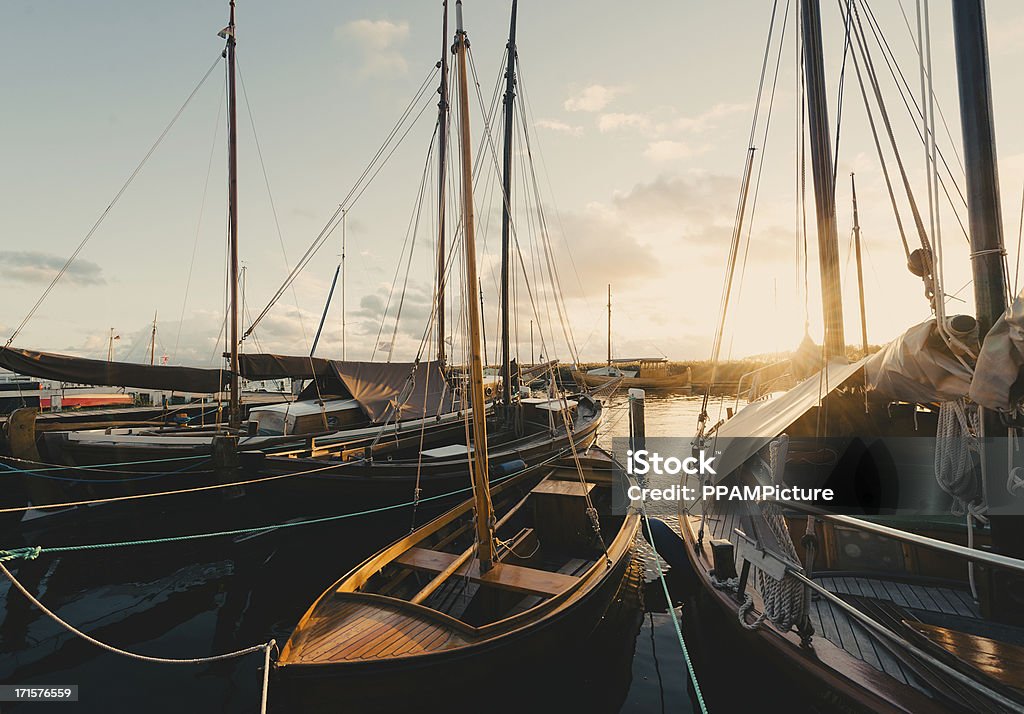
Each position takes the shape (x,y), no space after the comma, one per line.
(79,370)
(269,366)
(389,391)
(917,367)
(759,422)
(999,374)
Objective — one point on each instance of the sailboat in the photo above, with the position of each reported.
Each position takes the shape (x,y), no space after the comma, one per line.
(634,372)
(869,606)
(512,575)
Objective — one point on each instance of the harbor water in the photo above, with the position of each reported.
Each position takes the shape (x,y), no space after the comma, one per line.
(198,598)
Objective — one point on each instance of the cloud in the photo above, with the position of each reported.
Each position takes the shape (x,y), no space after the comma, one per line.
(611,122)
(667,150)
(378,41)
(705,120)
(29,266)
(593,98)
(559,126)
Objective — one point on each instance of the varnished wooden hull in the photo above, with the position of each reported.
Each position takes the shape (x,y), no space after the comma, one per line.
(679,383)
(401,684)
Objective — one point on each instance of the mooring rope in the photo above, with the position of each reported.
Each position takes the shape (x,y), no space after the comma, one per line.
(266,647)
(675,618)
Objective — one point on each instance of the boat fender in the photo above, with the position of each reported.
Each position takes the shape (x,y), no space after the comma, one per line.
(668,544)
(507,468)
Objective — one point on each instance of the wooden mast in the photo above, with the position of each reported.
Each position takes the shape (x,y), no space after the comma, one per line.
(234,412)
(506,217)
(442,168)
(609,324)
(860,269)
(985,227)
(152,342)
(824,181)
(481,495)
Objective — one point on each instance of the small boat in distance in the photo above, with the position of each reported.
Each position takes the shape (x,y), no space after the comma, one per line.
(634,372)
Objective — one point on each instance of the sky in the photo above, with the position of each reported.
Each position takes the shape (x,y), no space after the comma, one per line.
(638,118)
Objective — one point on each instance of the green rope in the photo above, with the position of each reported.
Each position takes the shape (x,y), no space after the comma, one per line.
(25,553)
(36,551)
(675,618)
(103,466)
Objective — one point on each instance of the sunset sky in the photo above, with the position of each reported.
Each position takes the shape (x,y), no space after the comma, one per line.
(640,114)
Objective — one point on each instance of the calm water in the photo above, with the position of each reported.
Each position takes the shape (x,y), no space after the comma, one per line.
(199,598)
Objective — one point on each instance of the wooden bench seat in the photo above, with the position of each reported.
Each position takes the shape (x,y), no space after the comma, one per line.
(503,575)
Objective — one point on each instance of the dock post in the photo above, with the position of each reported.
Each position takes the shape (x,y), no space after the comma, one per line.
(637,428)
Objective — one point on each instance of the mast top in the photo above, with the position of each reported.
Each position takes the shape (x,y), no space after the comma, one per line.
(458,18)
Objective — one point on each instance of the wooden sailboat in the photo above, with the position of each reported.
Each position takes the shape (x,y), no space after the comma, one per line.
(511,575)
(873,614)
(636,372)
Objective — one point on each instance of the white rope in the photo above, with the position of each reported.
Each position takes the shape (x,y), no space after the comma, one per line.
(265,648)
(956,441)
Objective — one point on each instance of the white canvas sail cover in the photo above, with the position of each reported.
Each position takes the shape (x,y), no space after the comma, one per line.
(999,375)
(917,367)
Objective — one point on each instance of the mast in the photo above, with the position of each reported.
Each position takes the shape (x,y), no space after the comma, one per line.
(860,269)
(609,324)
(506,217)
(442,158)
(234,413)
(824,181)
(341,267)
(481,495)
(152,342)
(985,228)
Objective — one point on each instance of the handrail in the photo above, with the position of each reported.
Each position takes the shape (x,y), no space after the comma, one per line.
(962,551)
(739,384)
(903,643)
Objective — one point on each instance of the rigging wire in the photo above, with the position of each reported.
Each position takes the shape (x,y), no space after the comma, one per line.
(113,202)
(373,168)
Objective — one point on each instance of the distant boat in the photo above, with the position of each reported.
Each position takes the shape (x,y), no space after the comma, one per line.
(639,372)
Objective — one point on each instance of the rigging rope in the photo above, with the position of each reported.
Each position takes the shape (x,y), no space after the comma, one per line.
(110,206)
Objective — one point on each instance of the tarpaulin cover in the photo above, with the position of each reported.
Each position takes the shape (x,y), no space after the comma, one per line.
(759,422)
(389,391)
(999,374)
(268,366)
(917,367)
(79,370)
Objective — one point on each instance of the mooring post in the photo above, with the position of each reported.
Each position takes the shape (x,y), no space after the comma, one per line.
(637,429)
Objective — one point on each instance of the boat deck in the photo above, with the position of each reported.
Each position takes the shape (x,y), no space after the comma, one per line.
(351,629)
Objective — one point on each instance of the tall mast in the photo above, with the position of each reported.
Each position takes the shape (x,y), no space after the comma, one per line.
(152,342)
(481,495)
(609,324)
(341,267)
(506,217)
(983,208)
(234,413)
(442,158)
(985,228)
(860,269)
(824,181)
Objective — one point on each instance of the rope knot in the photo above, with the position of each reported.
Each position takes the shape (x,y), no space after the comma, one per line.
(24,553)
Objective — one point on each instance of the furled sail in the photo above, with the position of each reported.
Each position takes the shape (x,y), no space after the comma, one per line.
(999,375)
(79,370)
(917,367)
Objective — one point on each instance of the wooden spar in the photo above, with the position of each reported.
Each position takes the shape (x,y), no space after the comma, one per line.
(234,411)
(152,342)
(824,181)
(481,494)
(985,228)
(609,324)
(341,267)
(506,217)
(442,167)
(860,269)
